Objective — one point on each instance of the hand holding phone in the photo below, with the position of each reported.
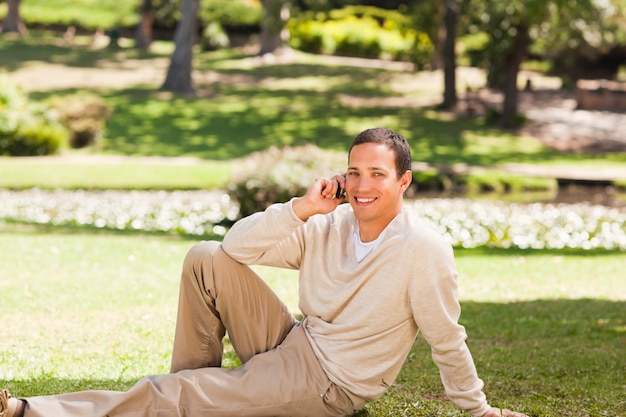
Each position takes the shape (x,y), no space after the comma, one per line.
(319,198)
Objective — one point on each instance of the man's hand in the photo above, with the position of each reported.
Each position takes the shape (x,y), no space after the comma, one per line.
(319,198)
(497,412)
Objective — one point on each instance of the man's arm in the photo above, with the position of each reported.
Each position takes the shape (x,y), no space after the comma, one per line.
(437,312)
(270,237)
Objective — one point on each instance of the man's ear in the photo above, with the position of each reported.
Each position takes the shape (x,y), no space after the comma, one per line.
(406,179)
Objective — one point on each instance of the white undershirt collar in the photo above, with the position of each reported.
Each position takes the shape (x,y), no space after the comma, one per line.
(362,249)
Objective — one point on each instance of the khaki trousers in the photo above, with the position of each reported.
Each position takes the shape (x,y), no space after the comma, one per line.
(280,375)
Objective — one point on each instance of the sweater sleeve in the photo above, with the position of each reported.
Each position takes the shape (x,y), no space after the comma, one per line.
(267,238)
(436,311)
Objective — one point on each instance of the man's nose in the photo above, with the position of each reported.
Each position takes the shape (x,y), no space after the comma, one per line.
(362,184)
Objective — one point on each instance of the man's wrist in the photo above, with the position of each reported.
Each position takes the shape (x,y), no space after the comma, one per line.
(301,209)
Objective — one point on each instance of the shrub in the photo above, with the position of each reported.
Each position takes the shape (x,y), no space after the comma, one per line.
(279,174)
(235,13)
(243,13)
(501,182)
(214,37)
(27,128)
(364,32)
(357,36)
(85,115)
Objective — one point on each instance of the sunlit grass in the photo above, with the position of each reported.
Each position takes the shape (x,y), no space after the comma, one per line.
(139,174)
(89,14)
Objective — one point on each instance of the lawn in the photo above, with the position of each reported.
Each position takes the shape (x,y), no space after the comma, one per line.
(103,173)
(89,14)
(84,310)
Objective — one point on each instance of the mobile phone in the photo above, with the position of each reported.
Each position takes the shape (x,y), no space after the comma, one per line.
(341,192)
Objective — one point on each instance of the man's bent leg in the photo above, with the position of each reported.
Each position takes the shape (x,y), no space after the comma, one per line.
(286,381)
(218,294)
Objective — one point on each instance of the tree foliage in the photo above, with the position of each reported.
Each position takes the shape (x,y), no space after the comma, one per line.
(548,27)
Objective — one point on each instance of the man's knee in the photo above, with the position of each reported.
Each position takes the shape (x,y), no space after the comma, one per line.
(200,253)
(204,249)
(210,267)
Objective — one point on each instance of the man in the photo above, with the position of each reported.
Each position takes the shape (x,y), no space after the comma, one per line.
(371,275)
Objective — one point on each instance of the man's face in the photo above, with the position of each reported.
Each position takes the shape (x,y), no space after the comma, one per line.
(372,185)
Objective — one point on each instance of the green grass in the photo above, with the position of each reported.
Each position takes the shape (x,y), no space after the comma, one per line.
(133,173)
(90,311)
(47,47)
(89,14)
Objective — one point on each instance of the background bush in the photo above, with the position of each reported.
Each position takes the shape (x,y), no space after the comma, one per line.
(85,115)
(228,14)
(214,37)
(278,174)
(86,15)
(361,31)
(233,13)
(27,128)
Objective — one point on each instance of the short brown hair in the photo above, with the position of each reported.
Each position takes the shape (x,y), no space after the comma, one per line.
(396,142)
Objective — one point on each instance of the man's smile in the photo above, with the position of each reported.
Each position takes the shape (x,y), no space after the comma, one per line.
(364,200)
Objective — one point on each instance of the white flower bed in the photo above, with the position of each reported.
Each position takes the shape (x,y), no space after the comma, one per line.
(472,224)
(467,223)
(183,212)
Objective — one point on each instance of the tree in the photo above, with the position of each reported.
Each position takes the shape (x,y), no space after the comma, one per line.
(143,35)
(178,77)
(583,39)
(274,34)
(513,27)
(13,22)
(507,25)
(448,53)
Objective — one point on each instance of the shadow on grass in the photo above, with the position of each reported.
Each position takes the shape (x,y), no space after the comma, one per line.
(544,357)
(234,120)
(48,47)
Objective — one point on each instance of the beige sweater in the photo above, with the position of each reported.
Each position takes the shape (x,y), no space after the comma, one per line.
(362,318)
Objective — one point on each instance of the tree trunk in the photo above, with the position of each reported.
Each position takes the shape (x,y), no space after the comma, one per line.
(436,61)
(178,77)
(512,63)
(274,33)
(13,22)
(449,55)
(143,35)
